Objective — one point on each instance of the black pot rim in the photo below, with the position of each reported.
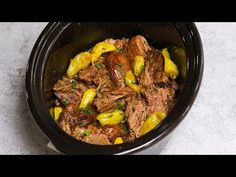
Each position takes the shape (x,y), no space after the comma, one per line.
(67,144)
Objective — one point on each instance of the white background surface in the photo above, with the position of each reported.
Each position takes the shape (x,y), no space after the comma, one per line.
(209,127)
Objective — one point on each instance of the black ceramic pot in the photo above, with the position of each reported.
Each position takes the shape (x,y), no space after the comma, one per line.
(59,42)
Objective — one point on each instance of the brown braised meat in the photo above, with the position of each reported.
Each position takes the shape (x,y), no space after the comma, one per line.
(73,116)
(106,75)
(121,44)
(94,75)
(159,100)
(110,99)
(117,65)
(154,70)
(91,135)
(112,131)
(95,136)
(80,126)
(136,114)
(69,90)
(138,45)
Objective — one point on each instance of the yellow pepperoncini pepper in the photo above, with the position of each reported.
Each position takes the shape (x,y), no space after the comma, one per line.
(152,121)
(100,48)
(170,69)
(87,98)
(138,65)
(51,111)
(118,140)
(111,118)
(57,112)
(81,61)
(130,81)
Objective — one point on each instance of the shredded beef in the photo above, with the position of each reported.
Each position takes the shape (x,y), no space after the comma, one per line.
(136,114)
(108,100)
(106,75)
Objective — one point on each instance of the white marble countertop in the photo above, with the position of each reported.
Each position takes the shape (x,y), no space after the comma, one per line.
(209,127)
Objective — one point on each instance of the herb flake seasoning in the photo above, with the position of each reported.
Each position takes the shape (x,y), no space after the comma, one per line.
(74,84)
(86,111)
(86,133)
(65,102)
(121,105)
(99,66)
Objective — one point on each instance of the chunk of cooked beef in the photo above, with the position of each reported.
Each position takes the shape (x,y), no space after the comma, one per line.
(91,135)
(92,75)
(146,79)
(69,97)
(64,90)
(117,65)
(137,46)
(136,114)
(120,44)
(131,136)
(105,78)
(108,100)
(74,122)
(64,125)
(85,120)
(154,70)
(72,116)
(95,136)
(157,69)
(68,115)
(88,75)
(78,132)
(107,75)
(81,86)
(160,100)
(63,85)
(112,131)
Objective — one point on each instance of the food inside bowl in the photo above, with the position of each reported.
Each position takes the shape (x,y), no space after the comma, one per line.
(115,92)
